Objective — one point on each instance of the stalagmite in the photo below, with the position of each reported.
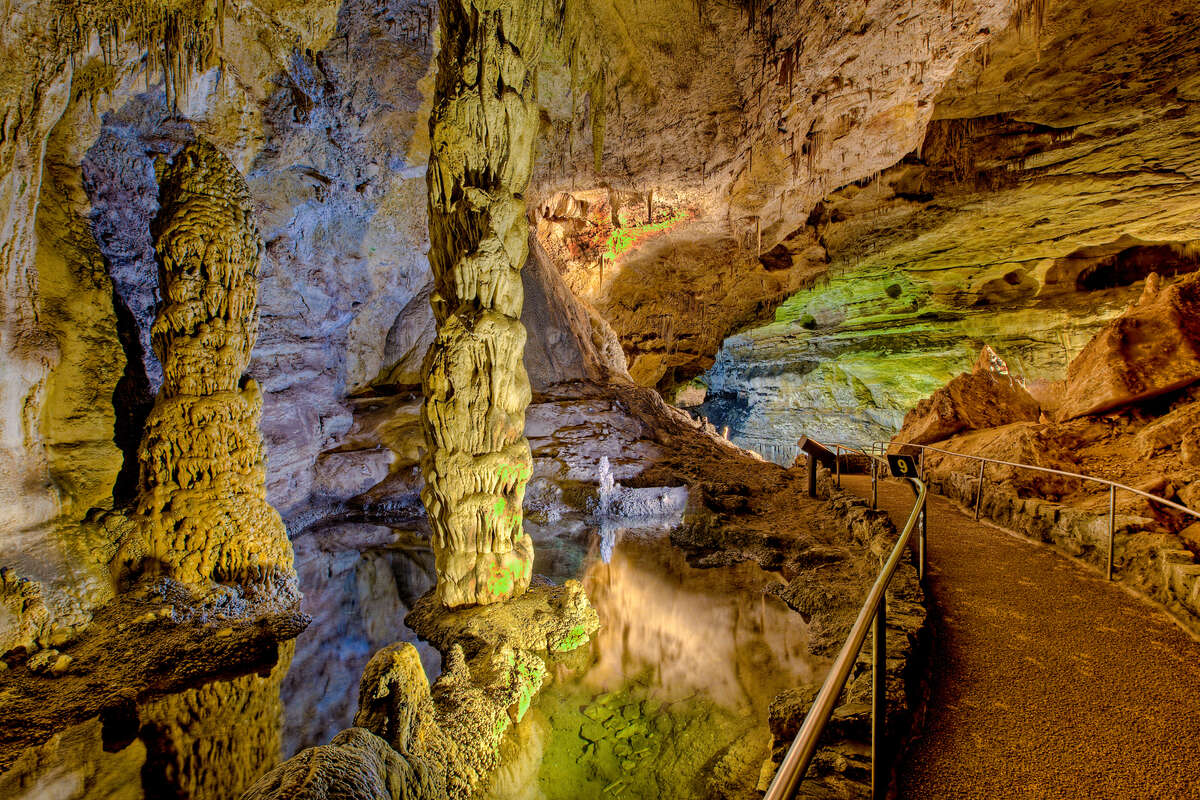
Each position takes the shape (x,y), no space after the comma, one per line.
(202,512)
(484,124)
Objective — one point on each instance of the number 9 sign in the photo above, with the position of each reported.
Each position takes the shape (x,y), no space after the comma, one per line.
(902,466)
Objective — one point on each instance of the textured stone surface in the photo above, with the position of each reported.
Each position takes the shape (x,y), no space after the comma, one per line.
(483,130)
(153,642)
(202,513)
(1151,349)
(441,741)
(1043,193)
(743,131)
(212,742)
(547,618)
(356,765)
(986,397)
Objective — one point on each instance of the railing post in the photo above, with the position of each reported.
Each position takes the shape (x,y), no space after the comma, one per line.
(921,466)
(879,761)
(1112,526)
(838,463)
(874,484)
(979,491)
(922,531)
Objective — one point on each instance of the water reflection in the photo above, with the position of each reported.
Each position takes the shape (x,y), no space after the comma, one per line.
(359,580)
(671,700)
(695,630)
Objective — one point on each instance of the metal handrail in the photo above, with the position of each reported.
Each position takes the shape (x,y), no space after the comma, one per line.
(876,463)
(984,460)
(874,610)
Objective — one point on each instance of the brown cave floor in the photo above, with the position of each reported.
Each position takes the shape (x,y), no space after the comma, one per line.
(1046,681)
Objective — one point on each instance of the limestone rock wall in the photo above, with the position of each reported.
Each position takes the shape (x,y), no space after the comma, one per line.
(1044,192)
(1150,350)
(743,116)
(986,397)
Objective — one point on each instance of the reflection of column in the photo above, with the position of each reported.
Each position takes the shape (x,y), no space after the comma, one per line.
(202,489)
(211,743)
(484,123)
(708,630)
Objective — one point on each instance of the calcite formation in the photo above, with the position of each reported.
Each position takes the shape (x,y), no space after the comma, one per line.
(212,741)
(484,124)
(421,742)
(202,513)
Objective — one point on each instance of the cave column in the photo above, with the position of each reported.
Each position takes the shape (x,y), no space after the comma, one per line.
(483,128)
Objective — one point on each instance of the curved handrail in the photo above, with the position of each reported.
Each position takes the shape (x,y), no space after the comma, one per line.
(1105,481)
(804,746)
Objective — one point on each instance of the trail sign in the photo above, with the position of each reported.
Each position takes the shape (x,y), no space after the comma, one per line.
(902,466)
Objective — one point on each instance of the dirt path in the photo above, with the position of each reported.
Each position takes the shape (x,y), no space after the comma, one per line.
(1046,681)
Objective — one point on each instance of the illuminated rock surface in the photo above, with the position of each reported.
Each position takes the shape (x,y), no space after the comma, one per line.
(1152,349)
(202,513)
(808,216)
(1028,218)
(476,389)
(986,397)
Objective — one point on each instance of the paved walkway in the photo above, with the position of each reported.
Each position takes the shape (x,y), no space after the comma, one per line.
(1046,680)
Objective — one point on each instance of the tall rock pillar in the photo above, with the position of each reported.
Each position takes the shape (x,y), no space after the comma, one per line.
(202,512)
(484,123)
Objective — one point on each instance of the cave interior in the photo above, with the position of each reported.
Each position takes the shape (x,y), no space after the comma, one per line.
(518,400)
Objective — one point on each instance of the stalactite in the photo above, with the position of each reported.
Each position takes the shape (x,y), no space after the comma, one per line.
(482,130)
(1032,13)
(180,38)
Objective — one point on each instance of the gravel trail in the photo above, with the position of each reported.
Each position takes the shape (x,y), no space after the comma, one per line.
(1046,680)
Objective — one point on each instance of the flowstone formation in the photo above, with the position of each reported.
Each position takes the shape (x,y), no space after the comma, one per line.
(202,513)
(483,128)
(420,742)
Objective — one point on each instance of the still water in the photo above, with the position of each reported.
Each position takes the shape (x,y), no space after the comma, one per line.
(669,700)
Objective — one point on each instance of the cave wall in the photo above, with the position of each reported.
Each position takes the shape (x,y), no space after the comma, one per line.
(1046,188)
(889,186)
(326,152)
(741,117)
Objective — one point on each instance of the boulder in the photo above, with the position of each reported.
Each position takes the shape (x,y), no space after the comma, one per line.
(985,397)
(1190,496)
(1168,432)
(1151,349)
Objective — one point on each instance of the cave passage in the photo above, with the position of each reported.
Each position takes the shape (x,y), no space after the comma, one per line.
(404,400)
